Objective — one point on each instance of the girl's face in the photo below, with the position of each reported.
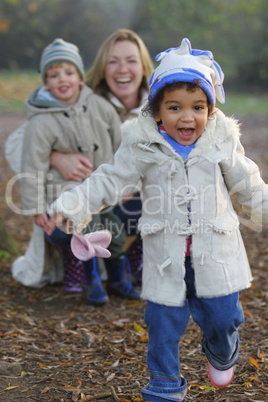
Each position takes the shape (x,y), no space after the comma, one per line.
(184,114)
(124,72)
(64,82)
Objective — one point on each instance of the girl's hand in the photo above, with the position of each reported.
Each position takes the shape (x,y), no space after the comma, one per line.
(70,206)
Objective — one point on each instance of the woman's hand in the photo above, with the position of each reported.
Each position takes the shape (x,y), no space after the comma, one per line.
(41,220)
(74,166)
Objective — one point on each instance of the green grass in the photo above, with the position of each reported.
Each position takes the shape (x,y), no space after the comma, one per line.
(12,106)
(16,86)
(245,104)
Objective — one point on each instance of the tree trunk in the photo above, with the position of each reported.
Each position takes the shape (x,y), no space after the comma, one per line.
(7,243)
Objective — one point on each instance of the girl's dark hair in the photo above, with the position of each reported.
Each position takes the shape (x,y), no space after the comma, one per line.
(154,103)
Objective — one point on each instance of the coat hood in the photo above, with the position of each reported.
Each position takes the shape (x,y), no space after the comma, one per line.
(41,101)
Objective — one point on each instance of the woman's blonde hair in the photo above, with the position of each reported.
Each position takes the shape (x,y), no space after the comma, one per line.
(95,78)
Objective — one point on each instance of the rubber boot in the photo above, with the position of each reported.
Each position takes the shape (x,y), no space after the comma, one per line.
(220,378)
(74,272)
(95,292)
(135,256)
(119,278)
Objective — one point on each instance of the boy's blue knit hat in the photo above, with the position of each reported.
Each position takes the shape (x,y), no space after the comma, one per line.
(185,64)
(60,51)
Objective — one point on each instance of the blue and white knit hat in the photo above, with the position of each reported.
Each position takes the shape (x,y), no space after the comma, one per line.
(187,65)
(60,51)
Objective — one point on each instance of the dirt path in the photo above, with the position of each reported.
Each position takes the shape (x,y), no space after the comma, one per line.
(55,347)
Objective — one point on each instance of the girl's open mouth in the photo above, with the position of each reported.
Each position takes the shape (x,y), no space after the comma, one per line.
(186,133)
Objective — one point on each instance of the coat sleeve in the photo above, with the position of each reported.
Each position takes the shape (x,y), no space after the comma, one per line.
(243,179)
(106,186)
(34,167)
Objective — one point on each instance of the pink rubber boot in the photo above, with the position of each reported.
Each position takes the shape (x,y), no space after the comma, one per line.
(74,272)
(220,378)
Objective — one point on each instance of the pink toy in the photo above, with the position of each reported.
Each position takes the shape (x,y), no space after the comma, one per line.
(90,245)
(219,378)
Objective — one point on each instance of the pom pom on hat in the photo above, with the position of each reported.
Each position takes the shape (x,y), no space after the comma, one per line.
(185,64)
(60,51)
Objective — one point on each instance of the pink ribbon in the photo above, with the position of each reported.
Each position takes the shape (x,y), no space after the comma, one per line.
(90,245)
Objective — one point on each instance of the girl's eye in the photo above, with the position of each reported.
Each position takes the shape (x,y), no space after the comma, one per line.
(198,107)
(174,108)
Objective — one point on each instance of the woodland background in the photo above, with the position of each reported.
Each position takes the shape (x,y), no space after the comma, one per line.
(236,31)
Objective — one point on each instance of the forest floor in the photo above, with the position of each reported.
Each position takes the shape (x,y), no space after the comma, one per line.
(55,347)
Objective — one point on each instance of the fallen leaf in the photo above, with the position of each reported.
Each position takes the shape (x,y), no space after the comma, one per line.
(70,387)
(253,361)
(144,338)
(47,367)
(206,387)
(129,352)
(138,328)
(115,363)
(42,365)
(247,384)
(88,337)
(11,387)
(45,390)
(254,378)
(116,339)
(110,377)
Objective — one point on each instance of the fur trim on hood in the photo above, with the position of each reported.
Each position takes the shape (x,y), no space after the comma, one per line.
(219,128)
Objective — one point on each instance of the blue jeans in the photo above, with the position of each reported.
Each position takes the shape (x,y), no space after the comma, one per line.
(219,319)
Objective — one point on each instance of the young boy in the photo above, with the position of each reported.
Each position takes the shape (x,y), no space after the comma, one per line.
(66,116)
(188,156)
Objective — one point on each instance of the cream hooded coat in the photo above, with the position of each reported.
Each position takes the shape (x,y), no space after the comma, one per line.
(181,199)
(90,126)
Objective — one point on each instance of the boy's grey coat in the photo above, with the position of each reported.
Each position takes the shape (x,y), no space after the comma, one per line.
(216,167)
(92,122)
(90,126)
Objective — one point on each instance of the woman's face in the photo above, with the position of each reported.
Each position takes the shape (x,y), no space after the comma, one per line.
(124,72)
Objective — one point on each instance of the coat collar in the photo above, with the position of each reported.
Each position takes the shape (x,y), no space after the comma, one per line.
(219,128)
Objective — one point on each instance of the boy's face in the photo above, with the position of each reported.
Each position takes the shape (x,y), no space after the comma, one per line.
(64,82)
(184,114)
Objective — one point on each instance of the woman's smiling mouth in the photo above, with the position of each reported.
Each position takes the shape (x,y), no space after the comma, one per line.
(123,80)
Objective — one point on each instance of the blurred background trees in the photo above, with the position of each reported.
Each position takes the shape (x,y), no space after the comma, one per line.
(236,31)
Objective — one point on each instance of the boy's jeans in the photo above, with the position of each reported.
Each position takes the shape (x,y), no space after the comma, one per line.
(219,319)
